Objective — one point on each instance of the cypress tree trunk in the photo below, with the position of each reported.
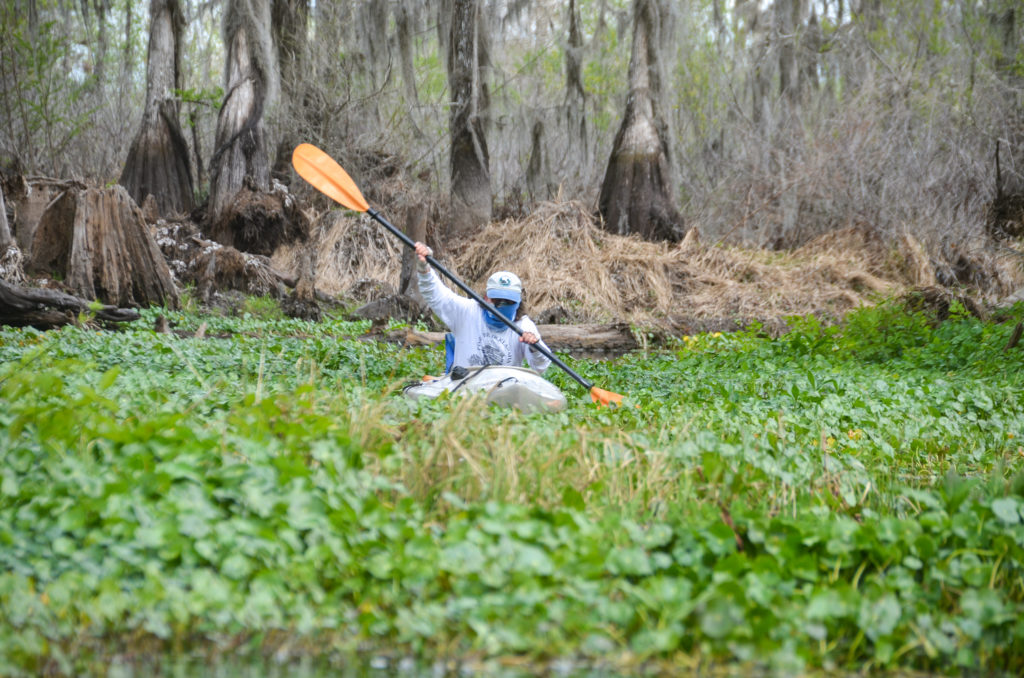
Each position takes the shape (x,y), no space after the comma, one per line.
(100,7)
(575,95)
(416,228)
(127,56)
(290,21)
(1006,26)
(470,171)
(404,37)
(810,48)
(1006,213)
(158,160)
(636,194)
(787,21)
(373,19)
(538,175)
(250,73)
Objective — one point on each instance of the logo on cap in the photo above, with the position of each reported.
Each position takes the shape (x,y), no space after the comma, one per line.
(505,281)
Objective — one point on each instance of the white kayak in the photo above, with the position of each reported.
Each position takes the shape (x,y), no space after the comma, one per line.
(509,386)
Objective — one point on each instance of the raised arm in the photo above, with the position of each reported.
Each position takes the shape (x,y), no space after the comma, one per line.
(441,299)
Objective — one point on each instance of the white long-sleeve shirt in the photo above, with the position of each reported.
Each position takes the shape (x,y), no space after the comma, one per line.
(476,343)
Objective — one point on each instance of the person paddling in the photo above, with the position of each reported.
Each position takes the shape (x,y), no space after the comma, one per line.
(478,336)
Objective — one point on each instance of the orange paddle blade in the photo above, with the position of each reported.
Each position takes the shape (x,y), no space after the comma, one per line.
(603,397)
(327,176)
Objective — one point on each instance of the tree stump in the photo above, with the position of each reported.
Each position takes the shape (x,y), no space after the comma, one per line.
(10,255)
(217,268)
(98,243)
(28,197)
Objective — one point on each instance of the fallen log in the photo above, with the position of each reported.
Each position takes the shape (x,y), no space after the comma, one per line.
(46,309)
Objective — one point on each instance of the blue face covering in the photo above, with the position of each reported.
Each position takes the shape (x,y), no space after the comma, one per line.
(494,322)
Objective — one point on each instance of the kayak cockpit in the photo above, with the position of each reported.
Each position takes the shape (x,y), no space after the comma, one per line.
(508,386)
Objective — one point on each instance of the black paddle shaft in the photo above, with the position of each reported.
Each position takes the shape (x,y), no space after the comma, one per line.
(477,298)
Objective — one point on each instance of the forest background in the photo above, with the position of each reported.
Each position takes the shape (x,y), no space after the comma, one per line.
(773,123)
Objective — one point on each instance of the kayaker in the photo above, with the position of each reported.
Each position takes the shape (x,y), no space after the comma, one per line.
(479,337)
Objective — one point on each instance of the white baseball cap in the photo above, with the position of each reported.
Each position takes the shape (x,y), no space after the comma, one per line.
(505,285)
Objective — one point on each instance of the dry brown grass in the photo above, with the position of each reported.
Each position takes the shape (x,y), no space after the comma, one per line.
(351,250)
(566,260)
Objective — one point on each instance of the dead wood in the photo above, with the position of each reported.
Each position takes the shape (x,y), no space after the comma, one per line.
(98,242)
(45,308)
(28,198)
(217,268)
(301,303)
(392,306)
(10,255)
(260,222)
(11,264)
(180,242)
(213,267)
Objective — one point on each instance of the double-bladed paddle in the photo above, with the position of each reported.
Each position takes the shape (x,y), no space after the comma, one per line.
(328,177)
